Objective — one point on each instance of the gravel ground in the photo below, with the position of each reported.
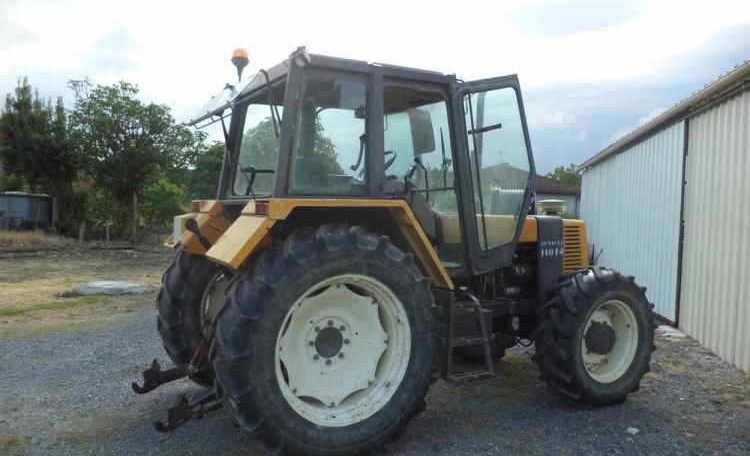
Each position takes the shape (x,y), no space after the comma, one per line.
(68,393)
(65,378)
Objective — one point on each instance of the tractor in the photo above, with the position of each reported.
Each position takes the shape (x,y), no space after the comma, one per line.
(374,231)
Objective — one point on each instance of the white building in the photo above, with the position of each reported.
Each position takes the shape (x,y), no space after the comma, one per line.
(670,204)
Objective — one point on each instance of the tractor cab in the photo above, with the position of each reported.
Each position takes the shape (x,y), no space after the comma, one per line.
(323,127)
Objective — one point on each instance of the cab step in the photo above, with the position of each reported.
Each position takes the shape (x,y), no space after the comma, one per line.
(468,304)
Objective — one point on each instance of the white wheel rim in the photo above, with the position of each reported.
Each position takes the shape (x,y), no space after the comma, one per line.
(338,388)
(611,366)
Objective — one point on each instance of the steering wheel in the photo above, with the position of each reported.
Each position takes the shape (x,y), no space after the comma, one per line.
(391,160)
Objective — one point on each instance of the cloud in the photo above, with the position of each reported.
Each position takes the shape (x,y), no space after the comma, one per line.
(567,17)
(588,69)
(539,117)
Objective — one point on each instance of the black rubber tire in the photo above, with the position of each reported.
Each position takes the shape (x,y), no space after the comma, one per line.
(257,302)
(562,319)
(179,309)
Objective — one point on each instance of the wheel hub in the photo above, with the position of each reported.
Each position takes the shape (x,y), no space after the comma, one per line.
(610,341)
(600,338)
(329,341)
(343,349)
(316,363)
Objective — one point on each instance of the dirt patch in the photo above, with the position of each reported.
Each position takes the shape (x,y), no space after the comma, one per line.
(31,283)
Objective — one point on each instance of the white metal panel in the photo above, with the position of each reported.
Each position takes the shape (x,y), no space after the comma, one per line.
(715,292)
(631,205)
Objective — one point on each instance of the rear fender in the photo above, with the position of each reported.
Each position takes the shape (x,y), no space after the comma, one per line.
(251,230)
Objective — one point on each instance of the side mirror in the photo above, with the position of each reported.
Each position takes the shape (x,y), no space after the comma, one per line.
(422,134)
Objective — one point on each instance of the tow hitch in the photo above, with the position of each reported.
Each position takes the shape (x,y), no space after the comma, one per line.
(188,406)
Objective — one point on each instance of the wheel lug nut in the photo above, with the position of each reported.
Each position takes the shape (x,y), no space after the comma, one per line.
(342,328)
(328,362)
(346,341)
(311,343)
(341,355)
(317,329)
(316,357)
(330,322)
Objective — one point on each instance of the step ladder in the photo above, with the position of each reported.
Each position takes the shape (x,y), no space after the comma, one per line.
(470,305)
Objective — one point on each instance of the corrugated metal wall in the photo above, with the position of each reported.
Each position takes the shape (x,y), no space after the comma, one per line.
(715,291)
(631,205)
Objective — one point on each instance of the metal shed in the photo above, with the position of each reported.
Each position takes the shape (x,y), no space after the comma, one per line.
(25,211)
(667,204)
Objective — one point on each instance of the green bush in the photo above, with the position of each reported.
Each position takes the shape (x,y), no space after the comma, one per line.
(162,200)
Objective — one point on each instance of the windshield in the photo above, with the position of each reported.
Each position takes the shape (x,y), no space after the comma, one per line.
(259,145)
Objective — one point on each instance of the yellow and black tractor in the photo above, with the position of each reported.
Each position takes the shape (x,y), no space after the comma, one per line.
(372,224)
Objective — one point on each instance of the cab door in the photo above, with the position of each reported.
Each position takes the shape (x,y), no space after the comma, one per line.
(497,167)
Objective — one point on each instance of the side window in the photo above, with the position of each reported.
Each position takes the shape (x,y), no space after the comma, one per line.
(259,148)
(401,125)
(330,150)
(499,163)
(417,127)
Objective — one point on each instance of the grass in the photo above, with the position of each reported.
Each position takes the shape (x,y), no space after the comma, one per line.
(32,240)
(53,305)
(12,444)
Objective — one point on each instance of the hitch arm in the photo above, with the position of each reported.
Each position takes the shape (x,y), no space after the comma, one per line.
(188,408)
(154,376)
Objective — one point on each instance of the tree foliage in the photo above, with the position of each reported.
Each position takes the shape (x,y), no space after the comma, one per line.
(162,200)
(570,174)
(35,148)
(203,179)
(124,141)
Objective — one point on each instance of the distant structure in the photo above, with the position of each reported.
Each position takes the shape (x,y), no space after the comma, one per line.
(668,204)
(20,211)
(564,198)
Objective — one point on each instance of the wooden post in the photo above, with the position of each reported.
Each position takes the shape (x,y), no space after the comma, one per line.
(135,218)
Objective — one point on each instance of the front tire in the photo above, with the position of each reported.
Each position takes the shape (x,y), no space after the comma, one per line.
(595,337)
(300,355)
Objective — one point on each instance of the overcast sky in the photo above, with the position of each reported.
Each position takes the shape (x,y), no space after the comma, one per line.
(590,70)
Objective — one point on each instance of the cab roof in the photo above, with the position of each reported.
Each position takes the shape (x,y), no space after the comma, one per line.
(230,93)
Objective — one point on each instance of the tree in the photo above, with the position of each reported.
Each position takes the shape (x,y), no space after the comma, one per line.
(260,148)
(569,175)
(36,149)
(204,178)
(124,141)
(162,199)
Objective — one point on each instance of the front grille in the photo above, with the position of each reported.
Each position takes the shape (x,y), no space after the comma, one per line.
(576,255)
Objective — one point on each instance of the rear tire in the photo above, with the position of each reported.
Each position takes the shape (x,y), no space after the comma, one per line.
(259,321)
(179,307)
(604,365)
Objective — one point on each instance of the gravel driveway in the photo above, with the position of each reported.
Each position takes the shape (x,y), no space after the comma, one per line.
(65,376)
(68,393)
